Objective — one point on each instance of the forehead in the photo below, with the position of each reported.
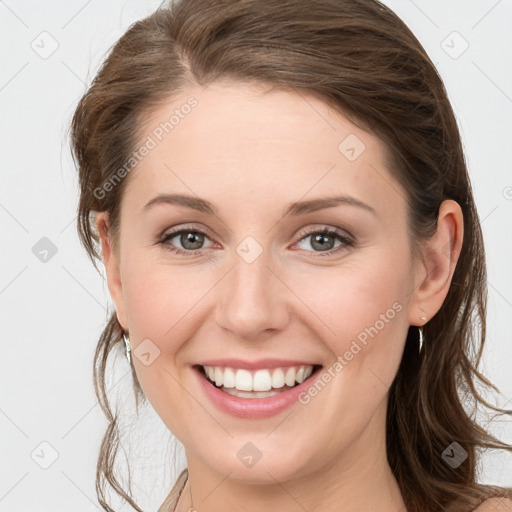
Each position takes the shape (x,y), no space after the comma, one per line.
(240,137)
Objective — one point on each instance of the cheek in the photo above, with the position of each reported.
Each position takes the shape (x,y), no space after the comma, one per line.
(355,300)
(158,295)
(162,306)
(359,315)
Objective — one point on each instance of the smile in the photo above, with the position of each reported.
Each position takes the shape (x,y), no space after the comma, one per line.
(257,380)
(253,393)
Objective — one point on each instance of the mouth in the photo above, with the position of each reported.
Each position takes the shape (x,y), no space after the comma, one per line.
(261,383)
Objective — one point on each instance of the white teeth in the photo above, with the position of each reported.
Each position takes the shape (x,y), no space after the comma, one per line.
(229,378)
(261,380)
(290,376)
(218,376)
(243,380)
(278,378)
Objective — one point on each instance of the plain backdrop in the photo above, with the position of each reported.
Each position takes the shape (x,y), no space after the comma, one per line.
(53,304)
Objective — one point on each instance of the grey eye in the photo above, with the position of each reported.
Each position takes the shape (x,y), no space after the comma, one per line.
(191,240)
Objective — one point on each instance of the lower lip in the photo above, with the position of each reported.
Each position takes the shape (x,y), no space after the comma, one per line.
(252,408)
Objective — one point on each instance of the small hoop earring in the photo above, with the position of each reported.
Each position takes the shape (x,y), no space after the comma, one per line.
(420,345)
(128,348)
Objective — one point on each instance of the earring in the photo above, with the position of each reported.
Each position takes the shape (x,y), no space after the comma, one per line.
(420,332)
(420,346)
(128,348)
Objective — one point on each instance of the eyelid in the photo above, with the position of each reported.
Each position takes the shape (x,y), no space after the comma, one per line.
(325,227)
(175,230)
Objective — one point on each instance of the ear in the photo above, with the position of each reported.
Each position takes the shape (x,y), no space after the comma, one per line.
(112,267)
(440,255)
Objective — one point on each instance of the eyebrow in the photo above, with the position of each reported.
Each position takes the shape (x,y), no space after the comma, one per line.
(294,209)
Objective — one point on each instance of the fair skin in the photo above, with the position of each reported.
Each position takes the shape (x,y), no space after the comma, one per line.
(250,154)
(496,505)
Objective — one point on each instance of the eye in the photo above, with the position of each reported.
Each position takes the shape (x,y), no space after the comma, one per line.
(191,239)
(323,241)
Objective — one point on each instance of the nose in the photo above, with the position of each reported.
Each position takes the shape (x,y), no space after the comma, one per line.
(253,301)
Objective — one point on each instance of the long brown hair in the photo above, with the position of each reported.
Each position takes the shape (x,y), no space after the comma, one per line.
(360,58)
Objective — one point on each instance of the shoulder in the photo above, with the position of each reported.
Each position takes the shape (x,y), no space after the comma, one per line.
(495,505)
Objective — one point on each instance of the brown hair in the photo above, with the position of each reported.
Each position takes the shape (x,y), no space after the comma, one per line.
(360,58)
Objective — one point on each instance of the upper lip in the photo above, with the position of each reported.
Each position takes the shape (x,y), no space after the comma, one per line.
(256,364)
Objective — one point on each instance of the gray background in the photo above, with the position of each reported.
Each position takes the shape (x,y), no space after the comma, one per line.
(54,305)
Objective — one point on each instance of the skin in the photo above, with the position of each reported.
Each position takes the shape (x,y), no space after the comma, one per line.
(250,153)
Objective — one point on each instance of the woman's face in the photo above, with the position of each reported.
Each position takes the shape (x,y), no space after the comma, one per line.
(253,282)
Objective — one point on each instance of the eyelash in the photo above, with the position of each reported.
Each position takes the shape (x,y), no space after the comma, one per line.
(347,241)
